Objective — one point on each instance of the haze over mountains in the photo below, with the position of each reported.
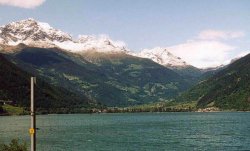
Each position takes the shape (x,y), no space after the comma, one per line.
(99,69)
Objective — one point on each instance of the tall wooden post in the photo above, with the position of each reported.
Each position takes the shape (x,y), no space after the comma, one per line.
(33,117)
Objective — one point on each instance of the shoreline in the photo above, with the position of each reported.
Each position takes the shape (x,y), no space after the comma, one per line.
(219,111)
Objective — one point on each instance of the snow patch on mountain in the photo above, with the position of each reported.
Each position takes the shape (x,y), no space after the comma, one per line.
(32,33)
(38,34)
(162,56)
(102,43)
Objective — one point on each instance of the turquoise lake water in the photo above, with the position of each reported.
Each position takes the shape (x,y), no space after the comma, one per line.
(133,132)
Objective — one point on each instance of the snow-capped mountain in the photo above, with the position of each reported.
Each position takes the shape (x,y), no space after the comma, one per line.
(32,33)
(162,56)
(37,34)
(102,43)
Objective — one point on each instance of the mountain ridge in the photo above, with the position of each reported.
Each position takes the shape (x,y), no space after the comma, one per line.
(38,34)
(162,56)
(15,86)
(112,79)
(229,88)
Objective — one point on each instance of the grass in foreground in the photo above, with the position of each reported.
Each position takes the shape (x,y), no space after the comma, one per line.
(14,146)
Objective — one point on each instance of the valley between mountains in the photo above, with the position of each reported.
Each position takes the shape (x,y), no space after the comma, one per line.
(92,72)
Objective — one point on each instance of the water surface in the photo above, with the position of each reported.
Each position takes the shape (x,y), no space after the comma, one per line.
(133,132)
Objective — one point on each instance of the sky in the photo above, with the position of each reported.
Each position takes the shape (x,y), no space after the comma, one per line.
(204,33)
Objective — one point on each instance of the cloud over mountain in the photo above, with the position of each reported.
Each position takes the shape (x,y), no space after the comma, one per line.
(202,53)
(209,48)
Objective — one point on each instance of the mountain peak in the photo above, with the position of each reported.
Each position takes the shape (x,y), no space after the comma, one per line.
(38,34)
(102,43)
(28,24)
(163,57)
(25,21)
(32,33)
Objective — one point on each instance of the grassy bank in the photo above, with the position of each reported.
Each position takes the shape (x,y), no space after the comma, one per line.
(13,110)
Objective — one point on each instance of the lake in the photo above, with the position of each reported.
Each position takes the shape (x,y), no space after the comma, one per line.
(133,131)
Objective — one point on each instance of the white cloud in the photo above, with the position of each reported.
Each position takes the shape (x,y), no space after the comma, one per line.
(242,54)
(202,53)
(22,3)
(208,49)
(238,56)
(219,35)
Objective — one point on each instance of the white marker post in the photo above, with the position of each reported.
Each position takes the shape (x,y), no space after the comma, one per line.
(33,117)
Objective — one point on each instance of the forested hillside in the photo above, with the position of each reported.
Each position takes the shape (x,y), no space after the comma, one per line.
(227,89)
(15,87)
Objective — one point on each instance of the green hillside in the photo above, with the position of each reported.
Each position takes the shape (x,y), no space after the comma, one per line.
(227,89)
(111,79)
(190,73)
(15,86)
